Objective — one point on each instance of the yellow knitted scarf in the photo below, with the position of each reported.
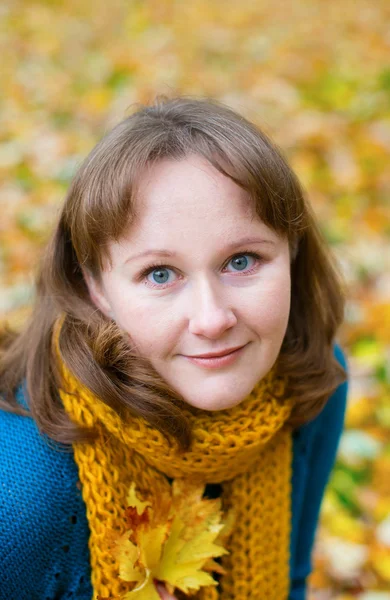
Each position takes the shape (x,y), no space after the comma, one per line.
(247,449)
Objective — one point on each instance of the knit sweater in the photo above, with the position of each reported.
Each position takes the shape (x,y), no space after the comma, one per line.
(43,527)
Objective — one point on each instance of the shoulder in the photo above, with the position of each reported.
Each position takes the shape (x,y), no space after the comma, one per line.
(315,447)
(33,461)
(43,520)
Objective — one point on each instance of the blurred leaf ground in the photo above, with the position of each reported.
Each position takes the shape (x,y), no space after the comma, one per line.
(316,76)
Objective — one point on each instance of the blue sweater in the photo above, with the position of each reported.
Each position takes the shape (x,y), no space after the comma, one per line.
(43,526)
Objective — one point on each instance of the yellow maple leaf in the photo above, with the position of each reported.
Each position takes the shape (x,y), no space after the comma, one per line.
(174,542)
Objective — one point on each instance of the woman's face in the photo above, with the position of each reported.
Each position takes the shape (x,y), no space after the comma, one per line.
(222,281)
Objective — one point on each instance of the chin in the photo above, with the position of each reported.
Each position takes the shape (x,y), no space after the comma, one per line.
(219,391)
(214,403)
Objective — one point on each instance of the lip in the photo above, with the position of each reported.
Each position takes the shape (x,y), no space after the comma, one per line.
(216,361)
(216,354)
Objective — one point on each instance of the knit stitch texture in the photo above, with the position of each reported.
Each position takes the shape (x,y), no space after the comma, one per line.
(247,449)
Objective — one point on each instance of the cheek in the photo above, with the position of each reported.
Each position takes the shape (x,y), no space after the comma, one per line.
(270,309)
(150,330)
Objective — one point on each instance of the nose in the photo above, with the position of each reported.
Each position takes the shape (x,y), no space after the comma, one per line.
(211,314)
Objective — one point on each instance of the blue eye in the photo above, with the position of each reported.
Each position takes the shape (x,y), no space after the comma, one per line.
(240,261)
(160,275)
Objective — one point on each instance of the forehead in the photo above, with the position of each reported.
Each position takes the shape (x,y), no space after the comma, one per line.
(189,189)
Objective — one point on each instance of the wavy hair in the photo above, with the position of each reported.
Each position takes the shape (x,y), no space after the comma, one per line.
(99,206)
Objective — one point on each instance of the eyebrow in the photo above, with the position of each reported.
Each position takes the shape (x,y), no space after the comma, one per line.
(228,248)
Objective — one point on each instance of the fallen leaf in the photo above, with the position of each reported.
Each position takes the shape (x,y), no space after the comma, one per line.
(174,542)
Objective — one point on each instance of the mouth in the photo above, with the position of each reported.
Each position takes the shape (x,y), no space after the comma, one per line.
(216,354)
(216,361)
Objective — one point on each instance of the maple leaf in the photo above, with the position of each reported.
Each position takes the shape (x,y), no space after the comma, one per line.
(174,542)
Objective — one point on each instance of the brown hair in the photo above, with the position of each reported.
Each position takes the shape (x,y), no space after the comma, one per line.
(99,207)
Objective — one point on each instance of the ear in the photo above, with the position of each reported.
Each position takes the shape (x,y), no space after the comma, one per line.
(97,294)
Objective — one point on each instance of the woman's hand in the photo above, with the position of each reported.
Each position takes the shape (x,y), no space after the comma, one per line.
(164,595)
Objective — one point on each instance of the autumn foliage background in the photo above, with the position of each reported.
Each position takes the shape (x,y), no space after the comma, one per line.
(316,76)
